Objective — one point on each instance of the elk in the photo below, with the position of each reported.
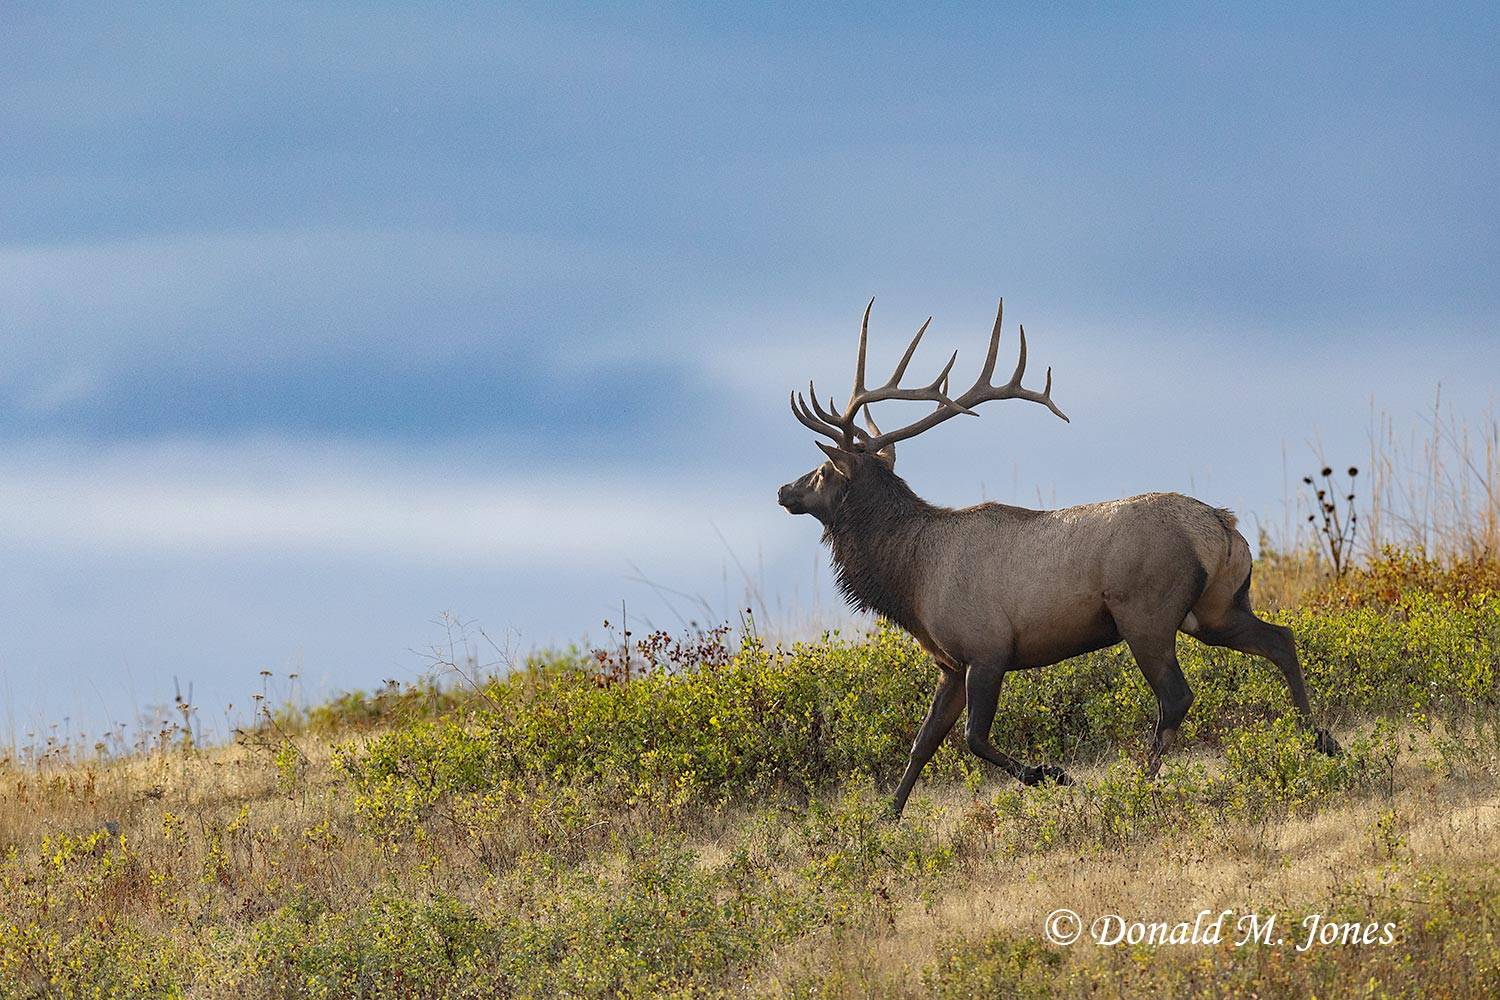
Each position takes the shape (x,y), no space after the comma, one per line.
(991,589)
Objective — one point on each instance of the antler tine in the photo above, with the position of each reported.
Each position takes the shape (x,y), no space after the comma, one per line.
(936,391)
(824,415)
(864,337)
(812,423)
(906,358)
(1015,376)
(939,386)
(982,391)
(1013,389)
(994,352)
(1048,393)
(1044,397)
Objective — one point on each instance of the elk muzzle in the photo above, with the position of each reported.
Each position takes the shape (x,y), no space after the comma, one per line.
(791,496)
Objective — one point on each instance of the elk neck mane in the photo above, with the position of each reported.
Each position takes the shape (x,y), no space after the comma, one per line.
(876,538)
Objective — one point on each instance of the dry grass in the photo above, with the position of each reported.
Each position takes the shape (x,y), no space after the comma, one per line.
(1362,852)
(1435,489)
(1431,490)
(218,839)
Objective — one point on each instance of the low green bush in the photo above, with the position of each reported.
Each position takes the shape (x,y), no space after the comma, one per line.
(790,721)
(1270,771)
(993,965)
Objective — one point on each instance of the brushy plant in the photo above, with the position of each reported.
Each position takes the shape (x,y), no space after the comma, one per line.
(1392,576)
(1270,771)
(791,721)
(994,965)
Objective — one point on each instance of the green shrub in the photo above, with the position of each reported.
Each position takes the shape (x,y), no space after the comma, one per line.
(791,721)
(391,946)
(1271,770)
(995,965)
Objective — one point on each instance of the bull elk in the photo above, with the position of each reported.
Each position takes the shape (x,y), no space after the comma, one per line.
(990,589)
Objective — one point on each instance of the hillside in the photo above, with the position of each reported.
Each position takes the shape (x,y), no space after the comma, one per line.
(706,819)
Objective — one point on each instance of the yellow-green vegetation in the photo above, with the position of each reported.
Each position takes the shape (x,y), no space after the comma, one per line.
(710,822)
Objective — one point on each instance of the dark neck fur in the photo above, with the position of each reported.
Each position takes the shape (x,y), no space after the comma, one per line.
(876,538)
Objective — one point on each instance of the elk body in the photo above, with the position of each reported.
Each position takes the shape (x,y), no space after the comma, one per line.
(990,589)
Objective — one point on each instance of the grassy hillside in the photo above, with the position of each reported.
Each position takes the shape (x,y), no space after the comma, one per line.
(709,821)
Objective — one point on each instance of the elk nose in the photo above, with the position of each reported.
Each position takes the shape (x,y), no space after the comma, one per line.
(781,494)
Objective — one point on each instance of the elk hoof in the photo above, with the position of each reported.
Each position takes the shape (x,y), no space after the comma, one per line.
(1055,774)
(1046,772)
(1326,744)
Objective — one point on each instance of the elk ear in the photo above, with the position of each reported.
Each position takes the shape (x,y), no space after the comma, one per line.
(887,454)
(842,460)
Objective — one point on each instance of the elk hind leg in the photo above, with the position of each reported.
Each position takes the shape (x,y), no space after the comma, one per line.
(1240,629)
(1148,614)
(1156,656)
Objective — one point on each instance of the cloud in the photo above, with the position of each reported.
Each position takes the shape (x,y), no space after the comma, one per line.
(71,387)
(378,332)
(293,295)
(341,501)
(131,565)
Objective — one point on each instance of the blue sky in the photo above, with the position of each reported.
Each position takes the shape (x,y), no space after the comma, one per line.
(316,322)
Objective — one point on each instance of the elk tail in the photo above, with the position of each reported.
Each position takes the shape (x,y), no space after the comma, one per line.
(1226,518)
(1236,550)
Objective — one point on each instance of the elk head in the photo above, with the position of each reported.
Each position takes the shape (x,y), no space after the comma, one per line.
(860,452)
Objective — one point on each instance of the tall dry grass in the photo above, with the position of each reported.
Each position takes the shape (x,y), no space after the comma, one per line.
(1427,494)
(1436,488)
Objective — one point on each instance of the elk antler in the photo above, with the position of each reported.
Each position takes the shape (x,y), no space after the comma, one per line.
(843,430)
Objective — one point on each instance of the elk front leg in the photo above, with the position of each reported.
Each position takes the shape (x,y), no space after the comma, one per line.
(983,685)
(947,703)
